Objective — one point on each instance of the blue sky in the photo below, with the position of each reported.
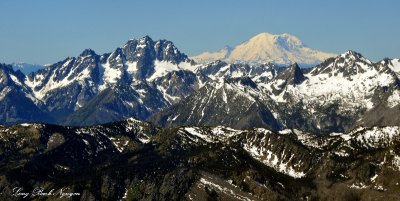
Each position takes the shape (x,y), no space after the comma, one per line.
(47,31)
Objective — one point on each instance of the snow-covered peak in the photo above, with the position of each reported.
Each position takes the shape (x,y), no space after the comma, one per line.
(9,77)
(266,47)
(292,74)
(6,68)
(147,50)
(286,41)
(290,39)
(347,64)
(279,39)
(353,56)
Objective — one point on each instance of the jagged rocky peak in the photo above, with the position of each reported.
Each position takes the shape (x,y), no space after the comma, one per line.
(167,51)
(4,73)
(9,75)
(135,48)
(88,52)
(292,75)
(117,58)
(162,50)
(6,67)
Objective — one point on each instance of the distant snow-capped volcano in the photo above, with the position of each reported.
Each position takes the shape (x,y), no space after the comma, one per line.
(265,47)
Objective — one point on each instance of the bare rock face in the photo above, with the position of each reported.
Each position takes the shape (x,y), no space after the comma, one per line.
(55,140)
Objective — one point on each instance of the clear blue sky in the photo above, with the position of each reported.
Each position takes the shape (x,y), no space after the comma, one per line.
(47,31)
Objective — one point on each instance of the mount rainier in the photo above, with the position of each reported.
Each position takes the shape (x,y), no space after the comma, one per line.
(283,49)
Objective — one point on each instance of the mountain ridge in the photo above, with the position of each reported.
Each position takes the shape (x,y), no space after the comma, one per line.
(137,64)
(145,78)
(335,96)
(132,159)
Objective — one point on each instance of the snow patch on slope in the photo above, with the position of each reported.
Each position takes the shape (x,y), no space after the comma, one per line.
(394,99)
(131,67)
(272,160)
(164,67)
(259,147)
(111,75)
(395,65)
(4,92)
(15,80)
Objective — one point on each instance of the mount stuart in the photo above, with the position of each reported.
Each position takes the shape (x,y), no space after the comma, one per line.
(146,122)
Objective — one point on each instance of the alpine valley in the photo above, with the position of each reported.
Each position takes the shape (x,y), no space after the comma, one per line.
(146,122)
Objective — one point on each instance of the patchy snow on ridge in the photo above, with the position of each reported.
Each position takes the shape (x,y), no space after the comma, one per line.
(394,99)
(54,82)
(197,133)
(15,80)
(260,148)
(216,134)
(377,137)
(272,160)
